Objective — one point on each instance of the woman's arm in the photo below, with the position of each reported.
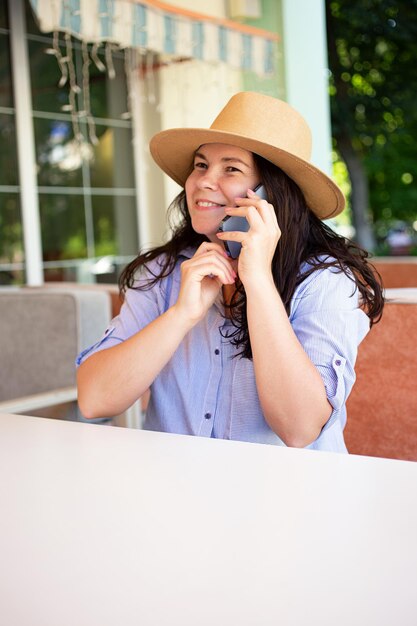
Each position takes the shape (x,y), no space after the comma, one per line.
(290,388)
(111,380)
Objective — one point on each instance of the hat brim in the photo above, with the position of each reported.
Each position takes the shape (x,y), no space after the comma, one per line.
(173,151)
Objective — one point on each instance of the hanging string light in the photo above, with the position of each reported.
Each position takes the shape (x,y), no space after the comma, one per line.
(95,58)
(128,64)
(86,95)
(108,54)
(74,88)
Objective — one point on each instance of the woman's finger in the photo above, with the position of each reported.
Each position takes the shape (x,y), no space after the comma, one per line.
(264,208)
(211,255)
(210,265)
(232,235)
(208,246)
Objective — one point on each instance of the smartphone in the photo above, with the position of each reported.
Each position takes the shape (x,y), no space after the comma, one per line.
(230,223)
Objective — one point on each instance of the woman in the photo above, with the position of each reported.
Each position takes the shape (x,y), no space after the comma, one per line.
(259,348)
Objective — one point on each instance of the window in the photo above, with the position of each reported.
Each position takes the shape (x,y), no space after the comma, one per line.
(87,195)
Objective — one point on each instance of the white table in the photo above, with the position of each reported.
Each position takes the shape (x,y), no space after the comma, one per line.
(105,526)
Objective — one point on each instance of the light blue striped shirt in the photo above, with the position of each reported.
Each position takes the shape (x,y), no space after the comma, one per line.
(205,391)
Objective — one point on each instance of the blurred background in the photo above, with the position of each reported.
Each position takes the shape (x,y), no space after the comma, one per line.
(83,86)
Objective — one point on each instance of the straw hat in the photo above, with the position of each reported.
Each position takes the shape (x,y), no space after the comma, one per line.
(260,124)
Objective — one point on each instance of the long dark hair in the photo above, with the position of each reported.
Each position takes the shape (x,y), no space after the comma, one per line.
(304,238)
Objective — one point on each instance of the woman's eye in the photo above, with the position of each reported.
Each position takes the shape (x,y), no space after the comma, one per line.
(230,168)
(200,165)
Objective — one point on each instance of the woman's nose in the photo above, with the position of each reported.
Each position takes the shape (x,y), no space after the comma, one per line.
(208,180)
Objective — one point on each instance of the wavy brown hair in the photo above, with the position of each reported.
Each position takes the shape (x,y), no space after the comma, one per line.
(304,237)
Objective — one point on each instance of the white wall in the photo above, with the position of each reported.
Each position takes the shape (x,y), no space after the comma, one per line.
(192,95)
(306,71)
(184,94)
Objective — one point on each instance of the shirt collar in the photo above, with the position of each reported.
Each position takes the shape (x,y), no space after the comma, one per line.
(188,252)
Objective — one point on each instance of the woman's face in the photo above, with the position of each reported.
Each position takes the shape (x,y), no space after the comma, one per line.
(220,174)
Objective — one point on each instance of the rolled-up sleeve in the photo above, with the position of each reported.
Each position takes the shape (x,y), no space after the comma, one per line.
(329,324)
(140,307)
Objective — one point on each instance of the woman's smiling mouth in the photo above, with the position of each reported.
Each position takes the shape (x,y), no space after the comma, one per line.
(206,204)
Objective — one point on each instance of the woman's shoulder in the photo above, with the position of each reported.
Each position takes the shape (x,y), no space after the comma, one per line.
(324,269)
(149,270)
(324,283)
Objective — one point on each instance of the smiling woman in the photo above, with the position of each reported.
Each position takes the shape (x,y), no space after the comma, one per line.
(259,348)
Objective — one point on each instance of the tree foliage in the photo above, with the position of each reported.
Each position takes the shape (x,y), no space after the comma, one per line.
(372,48)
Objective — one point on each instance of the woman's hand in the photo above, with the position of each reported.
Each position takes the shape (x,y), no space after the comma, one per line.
(259,242)
(202,277)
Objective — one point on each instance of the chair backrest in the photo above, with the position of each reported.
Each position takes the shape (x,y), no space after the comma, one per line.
(397,271)
(41,333)
(111,288)
(382,408)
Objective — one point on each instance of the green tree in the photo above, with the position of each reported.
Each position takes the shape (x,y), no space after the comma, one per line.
(372,48)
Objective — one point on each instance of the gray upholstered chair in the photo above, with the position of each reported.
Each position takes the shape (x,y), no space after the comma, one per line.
(41,332)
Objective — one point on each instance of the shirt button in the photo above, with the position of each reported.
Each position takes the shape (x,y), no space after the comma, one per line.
(338,362)
(207,416)
(217,351)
